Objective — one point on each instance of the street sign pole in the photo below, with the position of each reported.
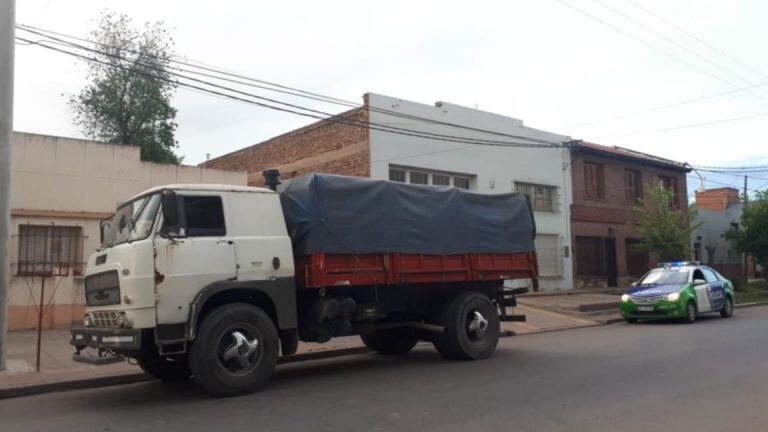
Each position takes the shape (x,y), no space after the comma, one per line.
(7,23)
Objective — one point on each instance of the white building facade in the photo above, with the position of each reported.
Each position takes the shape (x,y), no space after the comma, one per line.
(543,173)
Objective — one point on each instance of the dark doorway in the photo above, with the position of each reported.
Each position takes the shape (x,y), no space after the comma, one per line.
(610,262)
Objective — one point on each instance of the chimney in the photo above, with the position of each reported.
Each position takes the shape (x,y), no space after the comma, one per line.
(717,199)
(271,178)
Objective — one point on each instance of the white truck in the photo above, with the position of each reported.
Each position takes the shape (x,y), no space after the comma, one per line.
(205,280)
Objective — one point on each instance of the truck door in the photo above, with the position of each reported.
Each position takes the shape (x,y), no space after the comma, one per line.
(200,255)
(702,292)
(716,289)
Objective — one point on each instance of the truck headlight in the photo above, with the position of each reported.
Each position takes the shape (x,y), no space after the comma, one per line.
(625,298)
(87,320)
(675,296)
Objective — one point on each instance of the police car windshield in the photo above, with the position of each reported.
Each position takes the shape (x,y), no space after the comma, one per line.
(663,276)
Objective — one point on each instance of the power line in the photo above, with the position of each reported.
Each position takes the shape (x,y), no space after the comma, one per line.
(686,126)
(292,108)
(757,167)
(263,84)
(663,107)
(684,48)
(697,39)
(650,45)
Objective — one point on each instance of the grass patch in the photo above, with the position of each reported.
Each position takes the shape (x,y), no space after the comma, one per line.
(754,292)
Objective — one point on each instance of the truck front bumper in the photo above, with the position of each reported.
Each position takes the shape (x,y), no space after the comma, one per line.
(106,338)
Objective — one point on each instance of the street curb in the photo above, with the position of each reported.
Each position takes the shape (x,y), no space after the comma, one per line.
(751,304)
(80,384)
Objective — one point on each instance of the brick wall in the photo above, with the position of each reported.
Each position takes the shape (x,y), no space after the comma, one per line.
(611,217)
(717,199)
(325,146)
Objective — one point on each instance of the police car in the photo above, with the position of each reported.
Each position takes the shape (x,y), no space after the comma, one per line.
(678,290)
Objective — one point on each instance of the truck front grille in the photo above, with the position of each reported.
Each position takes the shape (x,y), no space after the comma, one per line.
(102,289)
(106,318)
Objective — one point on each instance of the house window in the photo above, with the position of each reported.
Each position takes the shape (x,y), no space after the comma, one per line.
(423,176)
(637,261)
(461,182)
(632,191)
(50,250)
(204,216)
(420,178)
(670,183)
(397,175)
(549,257)
(594,180)
(542,196)
(441,180)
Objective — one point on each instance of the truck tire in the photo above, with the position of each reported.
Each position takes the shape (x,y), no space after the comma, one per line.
(395,341)
(471,327)
(235,351)
(164,368)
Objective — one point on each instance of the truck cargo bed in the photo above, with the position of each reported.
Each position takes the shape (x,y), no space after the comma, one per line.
(320,270)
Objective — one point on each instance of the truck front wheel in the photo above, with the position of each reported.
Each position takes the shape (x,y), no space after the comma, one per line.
(235,351)
(471,327)
(394,341)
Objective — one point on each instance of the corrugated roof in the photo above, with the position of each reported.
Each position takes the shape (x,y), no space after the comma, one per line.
(624,152)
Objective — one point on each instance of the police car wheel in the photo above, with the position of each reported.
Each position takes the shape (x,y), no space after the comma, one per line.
(727,310)
(690,313)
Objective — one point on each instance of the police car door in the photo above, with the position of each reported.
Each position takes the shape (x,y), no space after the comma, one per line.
(716,288)
(703,303)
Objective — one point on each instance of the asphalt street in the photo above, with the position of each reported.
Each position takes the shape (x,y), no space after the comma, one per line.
(709,376)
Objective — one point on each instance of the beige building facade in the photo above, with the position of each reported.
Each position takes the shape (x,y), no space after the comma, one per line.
(61,189)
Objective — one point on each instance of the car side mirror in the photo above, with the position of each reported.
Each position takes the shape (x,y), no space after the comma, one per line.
(633,284)
(698,282)
(171,220)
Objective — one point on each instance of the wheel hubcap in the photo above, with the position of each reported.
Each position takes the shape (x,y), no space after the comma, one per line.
(478,324)
(240,354)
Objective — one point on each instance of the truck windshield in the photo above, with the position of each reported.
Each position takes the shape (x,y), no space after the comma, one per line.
(132,221)
(663,276)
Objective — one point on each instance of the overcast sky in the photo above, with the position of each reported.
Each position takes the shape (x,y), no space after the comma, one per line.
(536,60)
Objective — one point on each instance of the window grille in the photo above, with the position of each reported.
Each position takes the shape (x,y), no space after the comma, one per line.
(50,250)
(542,196)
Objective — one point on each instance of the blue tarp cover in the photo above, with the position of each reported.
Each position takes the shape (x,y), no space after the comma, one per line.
(339,214)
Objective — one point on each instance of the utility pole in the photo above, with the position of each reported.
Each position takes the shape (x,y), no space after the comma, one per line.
(744,264)
(7,23)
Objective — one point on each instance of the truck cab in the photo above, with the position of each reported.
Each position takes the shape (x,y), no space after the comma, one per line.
(169,253)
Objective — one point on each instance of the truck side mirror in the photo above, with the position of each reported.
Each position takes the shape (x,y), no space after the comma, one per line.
(104,227)
(171,220)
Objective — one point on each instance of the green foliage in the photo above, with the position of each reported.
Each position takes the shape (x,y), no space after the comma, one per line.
(752,235)
(664,230)
(127,98)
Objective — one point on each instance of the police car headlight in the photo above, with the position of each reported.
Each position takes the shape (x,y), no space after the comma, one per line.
(674,296)
(625,298)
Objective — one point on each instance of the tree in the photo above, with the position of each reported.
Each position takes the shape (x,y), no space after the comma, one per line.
(665,230)
(128,96)
(751,236)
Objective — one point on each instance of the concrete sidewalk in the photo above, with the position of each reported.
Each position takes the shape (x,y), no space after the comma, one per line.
(600,307)
(60,372)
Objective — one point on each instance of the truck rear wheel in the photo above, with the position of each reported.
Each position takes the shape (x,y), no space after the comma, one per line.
(163,368)
(395,341)
(471,327)
(235,351)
